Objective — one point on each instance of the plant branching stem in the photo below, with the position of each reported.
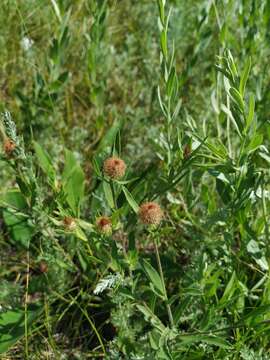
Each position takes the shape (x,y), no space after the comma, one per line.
(163,283)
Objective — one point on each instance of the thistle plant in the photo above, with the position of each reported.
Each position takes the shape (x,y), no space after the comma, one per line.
(135,198)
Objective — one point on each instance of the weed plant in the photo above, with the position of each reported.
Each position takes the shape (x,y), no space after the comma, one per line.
(134,200)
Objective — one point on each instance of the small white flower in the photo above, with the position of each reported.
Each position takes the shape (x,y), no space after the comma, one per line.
(26,43)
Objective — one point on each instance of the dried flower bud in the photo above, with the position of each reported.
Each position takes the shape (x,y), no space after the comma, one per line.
(9,146)
(104,225)
(150,213)
(114,168)
(187,151)
(43,266)
(69,223)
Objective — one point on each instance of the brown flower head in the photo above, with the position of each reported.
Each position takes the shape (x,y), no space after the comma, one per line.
(150,213)
(104,225)
(114,168)
(69,223)
(43,266)
(187,151)
(9,146)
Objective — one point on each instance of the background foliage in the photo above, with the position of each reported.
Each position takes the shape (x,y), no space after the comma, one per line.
(180,91)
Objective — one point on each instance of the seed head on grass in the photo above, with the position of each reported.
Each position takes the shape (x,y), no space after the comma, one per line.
(9,146)
(150,213)
(104,225)
(114,168)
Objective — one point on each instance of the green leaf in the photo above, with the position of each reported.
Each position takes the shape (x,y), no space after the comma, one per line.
(20,230)
(45,162)
(14,199)
(229,290)
(153,277)
(250,111)
(150,316)
(257,314)
(80,234)
(255,142)
(231,64)
(171,83)
(244,77)
(161,11)
(230,115)
(130,200)
(70,164)
(236,96)
(73,178)
(96,167)
(163,42)
(208,339)
(179,310)
(108,194)
(12,325)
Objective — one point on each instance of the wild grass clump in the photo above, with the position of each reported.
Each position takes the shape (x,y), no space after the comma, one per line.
(135,180)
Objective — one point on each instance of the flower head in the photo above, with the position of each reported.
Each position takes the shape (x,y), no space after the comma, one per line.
(114,168)
(69,223)
(43,266)
(104,225)
(9,146)
(187,151)
(150,213)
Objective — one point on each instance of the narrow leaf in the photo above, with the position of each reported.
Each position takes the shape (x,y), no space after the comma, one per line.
(244,77)
(108,194)
(153,276)
(250,111)
(130,199)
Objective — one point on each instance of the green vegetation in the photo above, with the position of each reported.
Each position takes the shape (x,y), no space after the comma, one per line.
(135,179)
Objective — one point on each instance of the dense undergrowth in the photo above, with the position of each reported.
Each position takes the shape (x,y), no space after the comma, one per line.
(135,179)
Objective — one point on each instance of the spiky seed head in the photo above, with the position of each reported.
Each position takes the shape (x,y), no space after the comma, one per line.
(104,225)
(69,223)
(114,168)
(9,146)
(150,213)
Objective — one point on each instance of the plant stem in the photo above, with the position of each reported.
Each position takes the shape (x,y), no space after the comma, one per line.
(163,283)
(26,305)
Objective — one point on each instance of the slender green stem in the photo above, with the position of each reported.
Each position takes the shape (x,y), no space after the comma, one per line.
(26,306)
(93,326)
(264,207)
(163,283)
(113,194)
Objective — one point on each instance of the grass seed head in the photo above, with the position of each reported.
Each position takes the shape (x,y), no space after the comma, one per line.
(114,168)
(150,213)
(104,225)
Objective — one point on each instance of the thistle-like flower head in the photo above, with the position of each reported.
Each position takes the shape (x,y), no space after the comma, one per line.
(9,146)
(104,225)
(69,223)
(114,168)
(150,213)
